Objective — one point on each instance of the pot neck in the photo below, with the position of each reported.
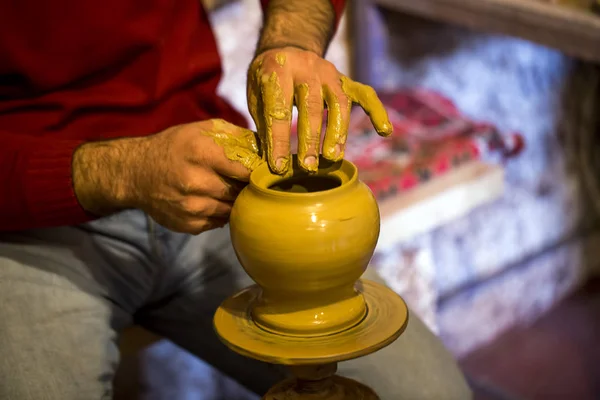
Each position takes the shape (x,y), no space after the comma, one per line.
(331,179)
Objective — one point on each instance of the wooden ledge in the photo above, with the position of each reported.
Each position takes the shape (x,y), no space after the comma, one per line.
(574,32)
(438,202)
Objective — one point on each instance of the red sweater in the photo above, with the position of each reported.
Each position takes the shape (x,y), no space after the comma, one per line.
(74,71)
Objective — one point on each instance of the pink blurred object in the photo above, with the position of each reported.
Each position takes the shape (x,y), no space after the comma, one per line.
(431,137)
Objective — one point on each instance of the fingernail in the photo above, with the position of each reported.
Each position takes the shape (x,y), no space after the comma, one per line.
(310,162)
(280,164)
(338,150)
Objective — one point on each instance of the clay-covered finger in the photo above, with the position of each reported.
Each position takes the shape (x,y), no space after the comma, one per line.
(277,99)
(338,120)
(367,98)
(254,106)
(240,154)
(253,94)
(309,101)
(239,163)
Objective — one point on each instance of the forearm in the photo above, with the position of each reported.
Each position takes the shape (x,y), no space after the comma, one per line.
(306,24)
(103,174)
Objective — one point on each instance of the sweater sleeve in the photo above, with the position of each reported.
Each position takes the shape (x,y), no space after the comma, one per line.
(36,188)
(338,6)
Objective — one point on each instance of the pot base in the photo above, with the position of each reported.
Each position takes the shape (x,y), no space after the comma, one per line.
(386,319)
(329,315)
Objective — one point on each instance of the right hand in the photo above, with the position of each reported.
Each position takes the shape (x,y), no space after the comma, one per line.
(186,177)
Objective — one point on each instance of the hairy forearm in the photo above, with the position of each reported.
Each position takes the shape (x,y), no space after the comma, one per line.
(102,174)
(306,24)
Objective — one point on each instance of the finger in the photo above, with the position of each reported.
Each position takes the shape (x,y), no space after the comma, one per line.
(206,183)
(214,186)
(198,207)
(338,120)
(240,150)
(238,163)
(235,187)
(195,226)
(204,225)
(201,226)
(309,101)
(254,103)
(367,98)
(277,98)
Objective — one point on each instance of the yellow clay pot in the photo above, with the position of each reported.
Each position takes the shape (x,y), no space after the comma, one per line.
(306,240)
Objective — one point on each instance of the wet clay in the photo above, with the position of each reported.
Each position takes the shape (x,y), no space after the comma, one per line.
(240,147)
(280,58)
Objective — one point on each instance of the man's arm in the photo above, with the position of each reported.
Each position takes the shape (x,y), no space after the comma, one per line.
(305,24)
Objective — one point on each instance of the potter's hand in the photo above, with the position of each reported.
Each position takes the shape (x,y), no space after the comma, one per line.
(185,177)
(279,78)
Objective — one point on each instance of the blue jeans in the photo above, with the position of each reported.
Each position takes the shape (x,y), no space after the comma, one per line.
(66,294)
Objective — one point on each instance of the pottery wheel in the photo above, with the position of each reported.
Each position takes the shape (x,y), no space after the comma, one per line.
(386,319)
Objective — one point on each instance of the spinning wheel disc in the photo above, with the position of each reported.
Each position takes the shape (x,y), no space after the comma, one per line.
(386,319)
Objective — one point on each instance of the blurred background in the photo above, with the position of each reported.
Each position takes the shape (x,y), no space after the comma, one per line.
(489,188)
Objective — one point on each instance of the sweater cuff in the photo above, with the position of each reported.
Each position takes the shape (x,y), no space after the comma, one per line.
(48,180)
(338,7)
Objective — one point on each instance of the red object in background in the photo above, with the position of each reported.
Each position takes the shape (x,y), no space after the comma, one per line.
(431,137)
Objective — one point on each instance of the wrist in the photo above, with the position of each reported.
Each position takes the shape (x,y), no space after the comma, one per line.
(279,43)
(102,175)
(285,45)
(306,24)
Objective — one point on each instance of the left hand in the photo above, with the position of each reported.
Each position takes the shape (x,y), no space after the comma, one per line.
(280,78)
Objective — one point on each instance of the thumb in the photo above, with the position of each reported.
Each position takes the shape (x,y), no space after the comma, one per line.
(240,150)
(239,163)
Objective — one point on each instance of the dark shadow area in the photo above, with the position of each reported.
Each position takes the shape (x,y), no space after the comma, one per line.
(554,358)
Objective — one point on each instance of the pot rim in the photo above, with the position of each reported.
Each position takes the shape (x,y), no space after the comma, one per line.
(262,178)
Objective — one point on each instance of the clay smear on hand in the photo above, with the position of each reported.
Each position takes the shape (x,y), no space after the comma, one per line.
(240,147)
(280,58)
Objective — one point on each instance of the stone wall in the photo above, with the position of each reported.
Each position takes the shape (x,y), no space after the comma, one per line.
(507,262)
